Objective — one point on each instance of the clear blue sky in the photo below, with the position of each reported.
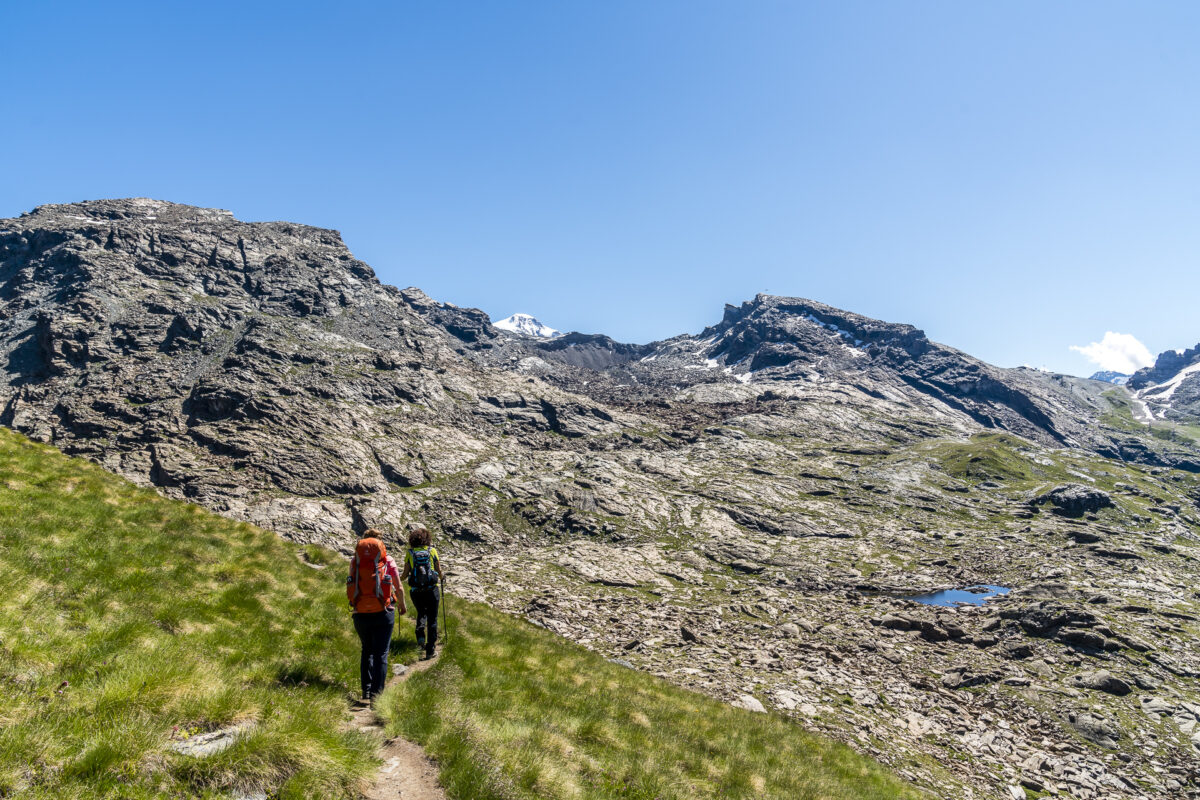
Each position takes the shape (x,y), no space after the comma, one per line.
(1013,177)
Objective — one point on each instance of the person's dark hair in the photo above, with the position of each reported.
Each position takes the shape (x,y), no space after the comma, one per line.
(418,536)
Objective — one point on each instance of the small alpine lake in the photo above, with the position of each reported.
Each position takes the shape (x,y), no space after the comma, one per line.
(970,596)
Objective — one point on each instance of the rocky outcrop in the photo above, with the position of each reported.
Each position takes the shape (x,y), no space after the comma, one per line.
(1073,500)
(1170,389)
(1168,364)
(227,362)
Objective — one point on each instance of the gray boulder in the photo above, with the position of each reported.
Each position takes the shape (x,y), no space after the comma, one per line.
(1095,728)
(1103,681)
(1073,500)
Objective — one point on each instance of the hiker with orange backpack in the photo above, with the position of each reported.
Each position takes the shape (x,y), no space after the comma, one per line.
(423,570)
(373,589)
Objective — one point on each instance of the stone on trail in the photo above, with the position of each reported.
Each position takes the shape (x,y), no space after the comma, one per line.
(211,743)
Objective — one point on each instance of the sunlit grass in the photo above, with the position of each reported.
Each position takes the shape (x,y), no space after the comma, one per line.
(512,711)
(126,619)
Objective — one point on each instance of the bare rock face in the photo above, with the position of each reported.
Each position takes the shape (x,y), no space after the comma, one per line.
(1095,728)
(230,362)
(1170,389)
(1168,365)
(1074,500)
(745,512)
(1102,680)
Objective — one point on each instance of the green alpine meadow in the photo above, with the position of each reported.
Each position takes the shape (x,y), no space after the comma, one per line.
(132,624)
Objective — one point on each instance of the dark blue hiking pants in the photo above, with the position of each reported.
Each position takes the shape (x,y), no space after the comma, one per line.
(426,603)
(375,633)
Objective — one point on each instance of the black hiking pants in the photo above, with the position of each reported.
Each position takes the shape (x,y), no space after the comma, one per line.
(426,603)
(375,632)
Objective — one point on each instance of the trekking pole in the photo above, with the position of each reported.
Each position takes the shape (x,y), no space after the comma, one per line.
(445,627)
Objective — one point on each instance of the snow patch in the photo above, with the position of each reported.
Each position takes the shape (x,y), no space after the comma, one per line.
(1141,411)
(829,326)
(742,378)
(1162,392)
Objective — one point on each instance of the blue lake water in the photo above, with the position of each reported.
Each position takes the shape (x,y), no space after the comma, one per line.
(972,596)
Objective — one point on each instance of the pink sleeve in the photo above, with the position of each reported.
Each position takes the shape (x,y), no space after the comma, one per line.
(392,571)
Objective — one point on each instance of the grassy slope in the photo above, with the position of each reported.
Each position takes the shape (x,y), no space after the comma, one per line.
(1121,417)
(125,617)
(513,712)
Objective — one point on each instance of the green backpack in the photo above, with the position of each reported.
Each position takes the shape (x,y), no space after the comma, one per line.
(422,575)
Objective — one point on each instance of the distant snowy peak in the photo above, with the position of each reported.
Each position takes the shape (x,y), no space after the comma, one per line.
(1109,376)
(525,325)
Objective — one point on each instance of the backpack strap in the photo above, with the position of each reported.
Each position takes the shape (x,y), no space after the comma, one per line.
(378,585)
(354,576)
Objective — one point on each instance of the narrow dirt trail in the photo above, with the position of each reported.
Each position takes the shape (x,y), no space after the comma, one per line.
(407,773)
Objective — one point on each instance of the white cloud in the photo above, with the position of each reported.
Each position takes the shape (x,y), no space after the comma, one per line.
(1120,352)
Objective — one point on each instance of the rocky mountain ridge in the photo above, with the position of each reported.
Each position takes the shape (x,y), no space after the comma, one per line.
(1170,389)
(745,511)
(793,342)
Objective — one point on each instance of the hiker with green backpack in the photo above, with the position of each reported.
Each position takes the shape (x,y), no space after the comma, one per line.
(373,589)
(423,570)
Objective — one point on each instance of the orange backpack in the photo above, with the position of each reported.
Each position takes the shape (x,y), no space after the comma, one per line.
(369,587)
